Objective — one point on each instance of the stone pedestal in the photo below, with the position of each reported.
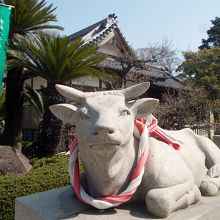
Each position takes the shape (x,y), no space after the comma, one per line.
(61,204)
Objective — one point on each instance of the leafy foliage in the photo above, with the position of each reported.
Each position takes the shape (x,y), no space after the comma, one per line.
(56,59)
(213,39)
(46,174)
(27,16)
(203,68)
(33,98)
(189,107)
(31,15)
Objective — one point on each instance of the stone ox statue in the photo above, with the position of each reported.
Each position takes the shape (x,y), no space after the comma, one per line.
(172,180)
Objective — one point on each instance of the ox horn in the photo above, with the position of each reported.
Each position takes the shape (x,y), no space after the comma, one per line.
(135,91)
(70,93)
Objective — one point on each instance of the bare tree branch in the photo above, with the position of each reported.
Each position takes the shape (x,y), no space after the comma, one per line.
(163,54)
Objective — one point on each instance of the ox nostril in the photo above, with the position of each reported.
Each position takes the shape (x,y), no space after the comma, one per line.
(110,131)
(102,131)
(95,133)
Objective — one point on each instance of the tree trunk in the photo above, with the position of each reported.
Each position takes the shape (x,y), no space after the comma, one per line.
(14,108)
(50,128)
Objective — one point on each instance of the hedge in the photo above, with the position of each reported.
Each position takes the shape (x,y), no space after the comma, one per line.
(46,174)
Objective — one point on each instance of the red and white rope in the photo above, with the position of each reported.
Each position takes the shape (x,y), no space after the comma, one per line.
(142,131)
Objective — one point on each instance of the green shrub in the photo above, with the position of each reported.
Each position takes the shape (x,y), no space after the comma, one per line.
(28,149)
(47,173)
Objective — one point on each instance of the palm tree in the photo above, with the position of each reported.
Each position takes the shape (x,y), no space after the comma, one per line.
(27,16)
(57,60)
(31,16)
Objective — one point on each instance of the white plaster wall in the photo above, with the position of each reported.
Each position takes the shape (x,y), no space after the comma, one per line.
(86,81)
(37,82)
(82,81)
(109,49)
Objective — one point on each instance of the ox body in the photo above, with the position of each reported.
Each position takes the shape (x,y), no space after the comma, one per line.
(104,122)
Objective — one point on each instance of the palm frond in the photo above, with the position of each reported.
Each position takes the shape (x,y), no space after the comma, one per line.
(31,15)
(33,98)
(55,58)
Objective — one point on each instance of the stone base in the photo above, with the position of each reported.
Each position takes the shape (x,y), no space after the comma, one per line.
(13,161)
(61,204)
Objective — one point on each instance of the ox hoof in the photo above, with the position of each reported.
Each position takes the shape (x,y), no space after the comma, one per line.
(159,206)
(208,188)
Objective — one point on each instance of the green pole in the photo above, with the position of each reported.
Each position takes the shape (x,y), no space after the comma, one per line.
(5,13)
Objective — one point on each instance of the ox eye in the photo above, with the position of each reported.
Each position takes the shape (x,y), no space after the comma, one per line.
(125,113)
(83,114)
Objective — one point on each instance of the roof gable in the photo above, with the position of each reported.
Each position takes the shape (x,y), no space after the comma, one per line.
(104,31)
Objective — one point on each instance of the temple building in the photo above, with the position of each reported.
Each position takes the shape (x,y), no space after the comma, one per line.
(120,61)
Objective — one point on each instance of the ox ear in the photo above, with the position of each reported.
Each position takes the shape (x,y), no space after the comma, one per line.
(133,92)
(64,112)
(70,93)
(145,106)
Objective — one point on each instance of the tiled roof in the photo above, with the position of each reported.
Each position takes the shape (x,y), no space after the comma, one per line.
(151,71)
(99,31)
(169,82)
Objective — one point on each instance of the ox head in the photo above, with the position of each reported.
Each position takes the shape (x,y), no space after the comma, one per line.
(103,118)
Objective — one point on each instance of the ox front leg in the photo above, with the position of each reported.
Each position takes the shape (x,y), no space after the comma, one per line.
(211,184)
(161,202)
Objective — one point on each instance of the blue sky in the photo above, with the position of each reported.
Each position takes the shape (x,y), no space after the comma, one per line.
(185,22)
